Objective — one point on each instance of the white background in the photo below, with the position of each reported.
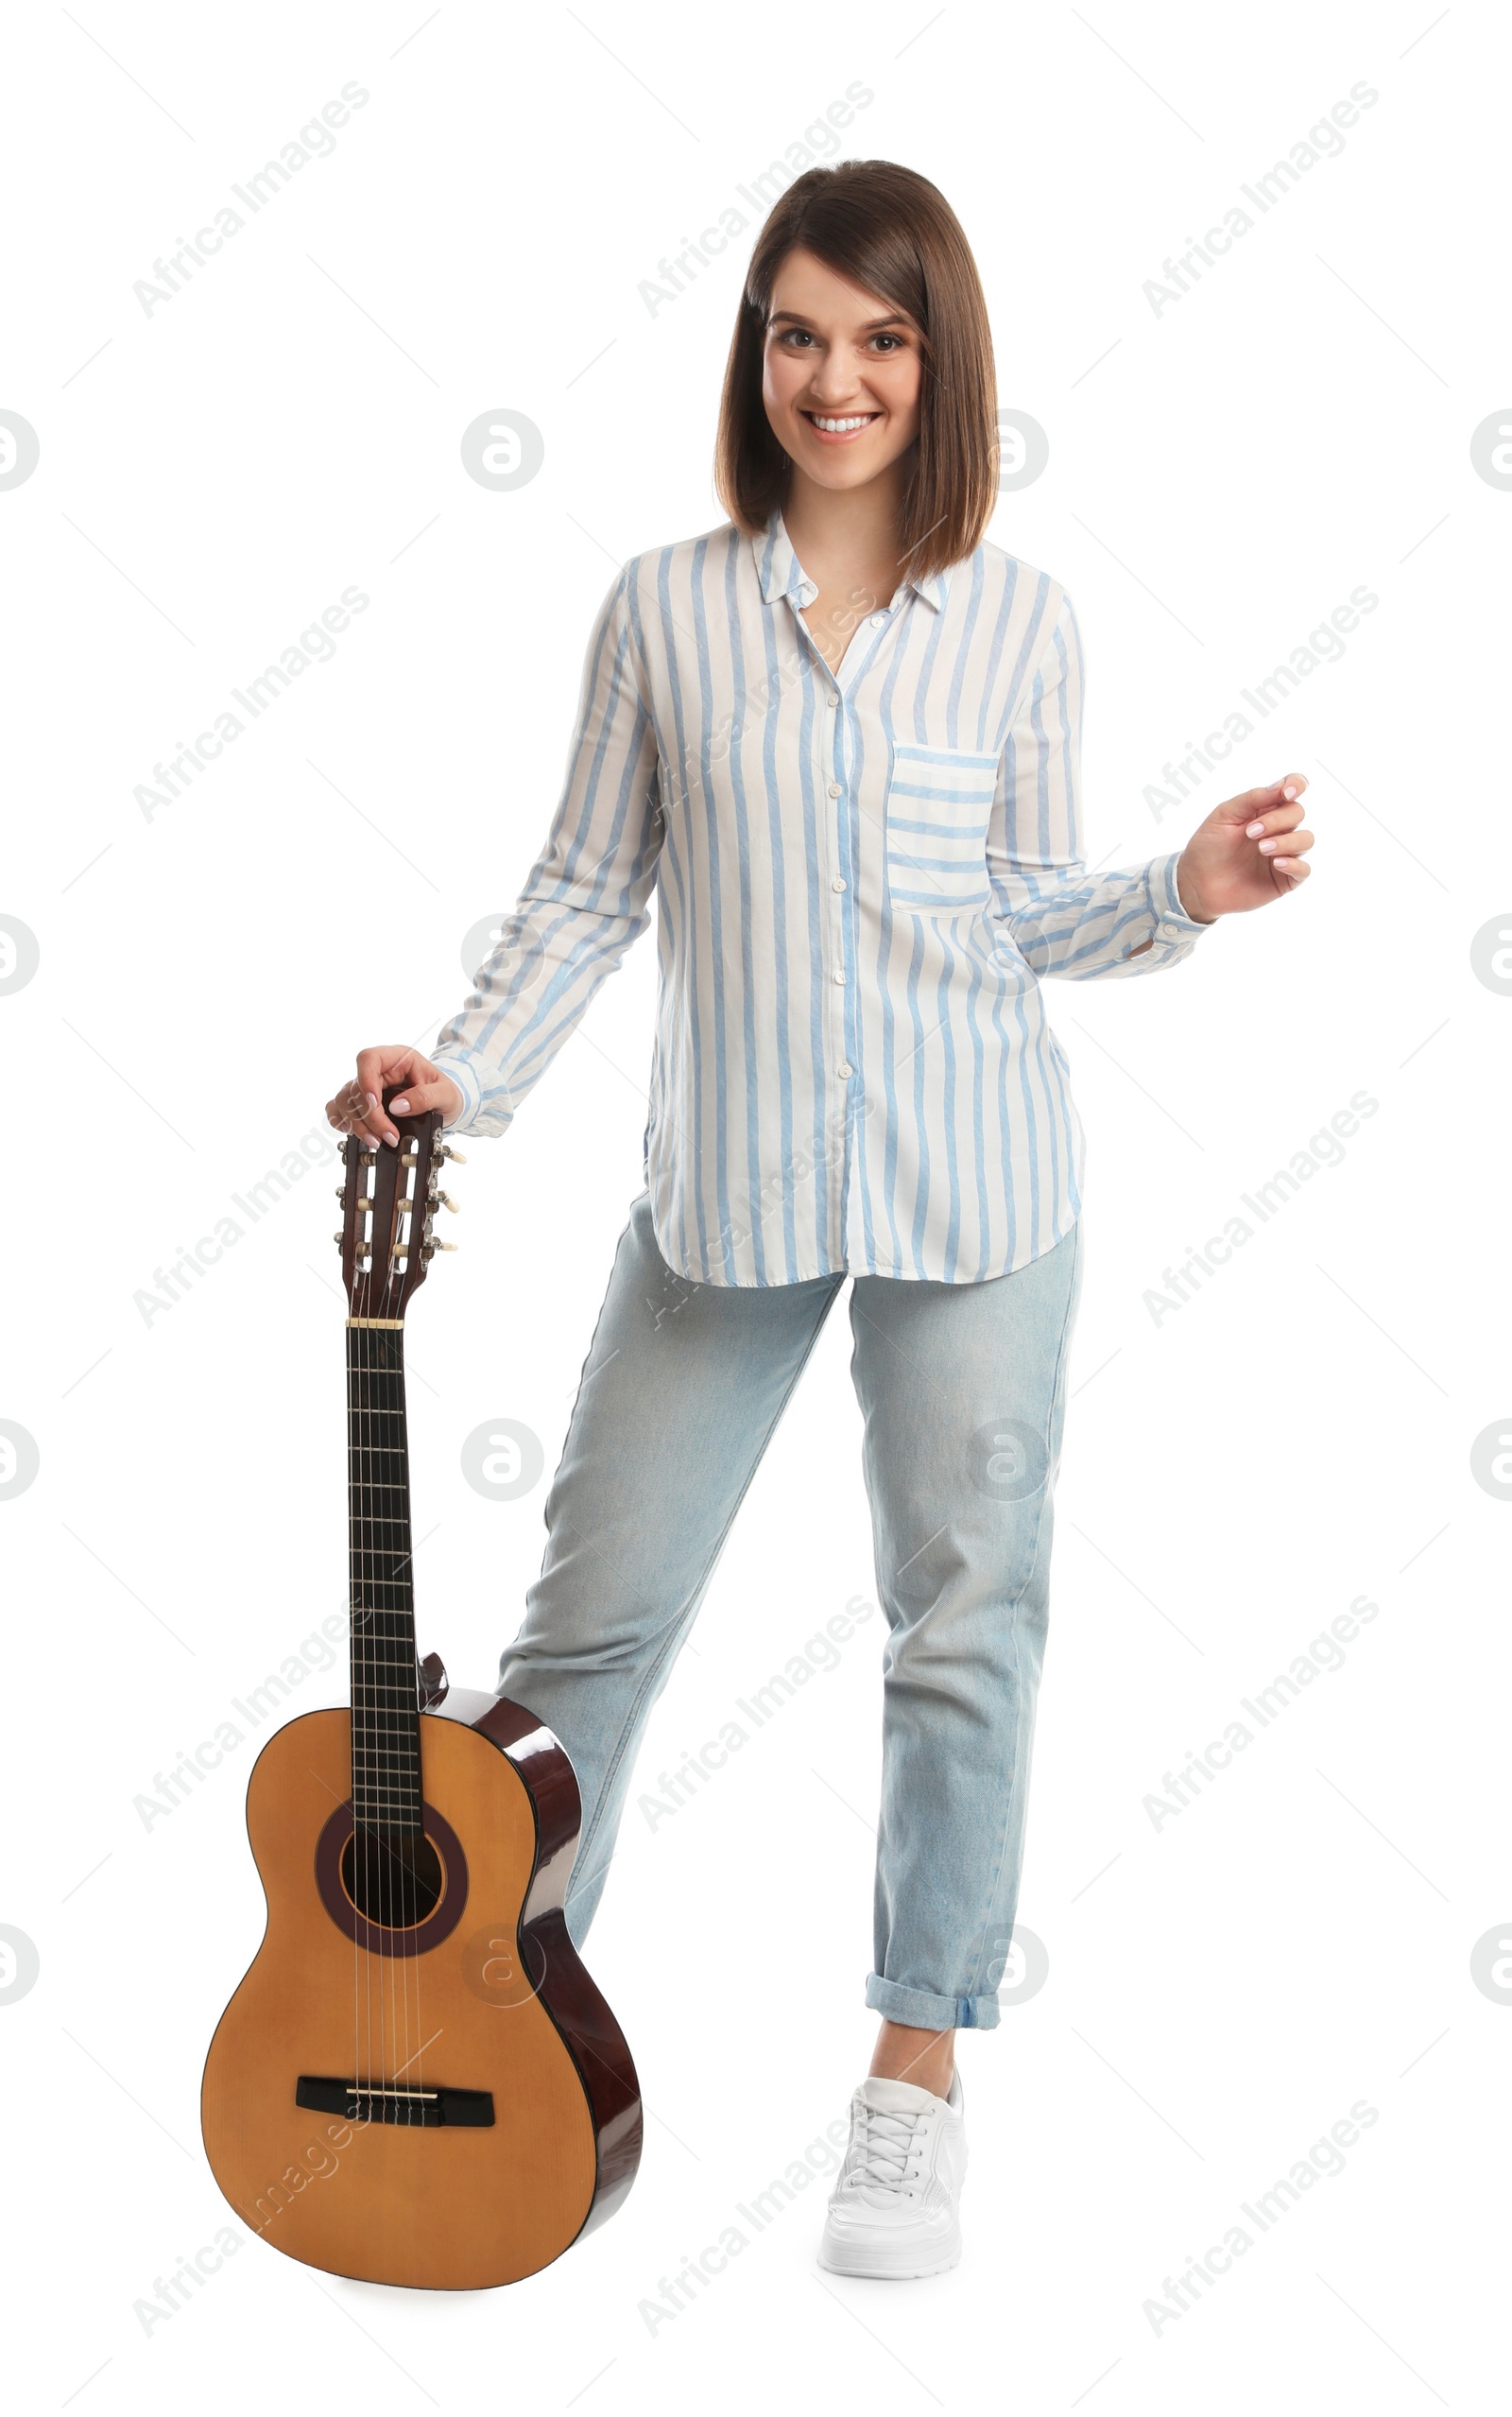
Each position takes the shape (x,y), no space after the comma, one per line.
(1222,1989)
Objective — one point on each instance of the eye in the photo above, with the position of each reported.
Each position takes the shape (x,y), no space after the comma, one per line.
(896,342)
(794,337)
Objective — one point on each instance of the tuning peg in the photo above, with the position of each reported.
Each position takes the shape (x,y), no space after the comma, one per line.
(341,1194)
(443,1246)
(338,1239)
(447,1151)
(447,1203)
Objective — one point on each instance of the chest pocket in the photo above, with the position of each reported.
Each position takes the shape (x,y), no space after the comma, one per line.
(940,800)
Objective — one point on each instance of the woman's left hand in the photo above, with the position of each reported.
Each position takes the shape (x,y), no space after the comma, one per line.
(1249,851)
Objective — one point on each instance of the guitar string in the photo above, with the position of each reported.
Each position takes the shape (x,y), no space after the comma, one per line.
(414,1245)
(363,1863)
(356,1178)
(409,1857)
(401,1677)
(391,1722)
(369,1760)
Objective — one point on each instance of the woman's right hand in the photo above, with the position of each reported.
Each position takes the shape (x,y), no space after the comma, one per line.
(358,1105)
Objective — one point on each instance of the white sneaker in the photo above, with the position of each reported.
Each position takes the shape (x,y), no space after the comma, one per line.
(894,2212)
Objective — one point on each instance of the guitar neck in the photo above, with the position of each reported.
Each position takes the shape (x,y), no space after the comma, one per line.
(386,1773)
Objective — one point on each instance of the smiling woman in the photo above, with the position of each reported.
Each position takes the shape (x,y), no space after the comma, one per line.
(863,301)
(837,741)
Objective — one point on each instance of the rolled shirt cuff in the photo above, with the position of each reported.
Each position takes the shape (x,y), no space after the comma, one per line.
(487,1106)
(1165,898)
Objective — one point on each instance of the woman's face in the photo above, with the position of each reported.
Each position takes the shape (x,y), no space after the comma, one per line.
(841,375)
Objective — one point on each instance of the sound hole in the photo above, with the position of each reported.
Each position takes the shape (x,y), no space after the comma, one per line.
(393,1877)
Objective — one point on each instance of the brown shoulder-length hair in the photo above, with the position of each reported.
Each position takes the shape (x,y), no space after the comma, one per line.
(891,232)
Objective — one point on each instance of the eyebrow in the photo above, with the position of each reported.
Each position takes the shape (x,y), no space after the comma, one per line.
(869,326)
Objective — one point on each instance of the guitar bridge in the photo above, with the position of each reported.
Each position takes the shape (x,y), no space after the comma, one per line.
(384,2102)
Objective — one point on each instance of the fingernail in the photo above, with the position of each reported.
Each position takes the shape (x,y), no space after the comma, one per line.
(1268,847)
(390,1141)
(399,1107)
(1253,830)
(1290,789)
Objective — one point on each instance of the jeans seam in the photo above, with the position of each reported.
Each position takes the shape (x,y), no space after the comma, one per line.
(976,1988)
(694,1596)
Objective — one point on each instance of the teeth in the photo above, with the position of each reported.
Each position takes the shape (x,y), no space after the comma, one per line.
(842,428)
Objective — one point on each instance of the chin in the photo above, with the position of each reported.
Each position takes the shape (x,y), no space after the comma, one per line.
(848,469)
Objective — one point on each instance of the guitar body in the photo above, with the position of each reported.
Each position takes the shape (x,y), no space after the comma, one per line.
(446,2103)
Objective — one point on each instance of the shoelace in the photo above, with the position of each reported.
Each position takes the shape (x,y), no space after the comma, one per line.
(883,2148)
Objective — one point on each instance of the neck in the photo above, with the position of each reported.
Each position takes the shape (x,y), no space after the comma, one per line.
(846,532)
(385,1781)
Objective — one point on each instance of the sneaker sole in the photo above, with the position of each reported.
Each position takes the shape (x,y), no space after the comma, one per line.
(901,2268)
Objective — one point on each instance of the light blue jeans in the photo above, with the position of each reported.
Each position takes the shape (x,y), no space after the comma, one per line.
(962,1392)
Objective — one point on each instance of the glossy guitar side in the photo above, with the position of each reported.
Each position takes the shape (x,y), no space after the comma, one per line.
(500,2004)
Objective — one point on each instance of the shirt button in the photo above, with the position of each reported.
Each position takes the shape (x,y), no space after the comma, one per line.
(834,788)
(832,702)
(846,1071)
(879,620)
(837,975)
(837,882)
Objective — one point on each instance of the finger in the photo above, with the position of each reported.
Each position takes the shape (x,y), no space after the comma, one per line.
(1275,818)
(350,1111)
(419,1097)
(372,1066)
(1292,870)
(1252,801)
(1291,845)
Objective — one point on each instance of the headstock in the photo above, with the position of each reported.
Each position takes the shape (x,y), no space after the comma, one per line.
(389,1201)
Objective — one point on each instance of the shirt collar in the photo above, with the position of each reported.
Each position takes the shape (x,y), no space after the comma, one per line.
(781,574)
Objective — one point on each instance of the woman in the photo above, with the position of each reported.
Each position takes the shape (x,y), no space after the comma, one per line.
(838,738)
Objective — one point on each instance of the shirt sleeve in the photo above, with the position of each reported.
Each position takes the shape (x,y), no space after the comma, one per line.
(588,895)
(1063,920)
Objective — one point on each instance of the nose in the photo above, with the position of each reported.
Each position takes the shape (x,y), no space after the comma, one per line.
(834,382)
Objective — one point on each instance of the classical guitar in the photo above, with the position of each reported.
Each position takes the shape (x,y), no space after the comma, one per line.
(415,2082)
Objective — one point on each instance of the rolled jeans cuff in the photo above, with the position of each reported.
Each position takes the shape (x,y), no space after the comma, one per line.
(924,2011)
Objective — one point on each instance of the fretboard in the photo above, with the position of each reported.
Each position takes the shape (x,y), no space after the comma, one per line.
(385,1775)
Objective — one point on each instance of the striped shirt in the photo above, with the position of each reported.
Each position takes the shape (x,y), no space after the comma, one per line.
(861,876)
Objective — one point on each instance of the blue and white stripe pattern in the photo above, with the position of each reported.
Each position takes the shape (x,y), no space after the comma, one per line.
(860,877)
